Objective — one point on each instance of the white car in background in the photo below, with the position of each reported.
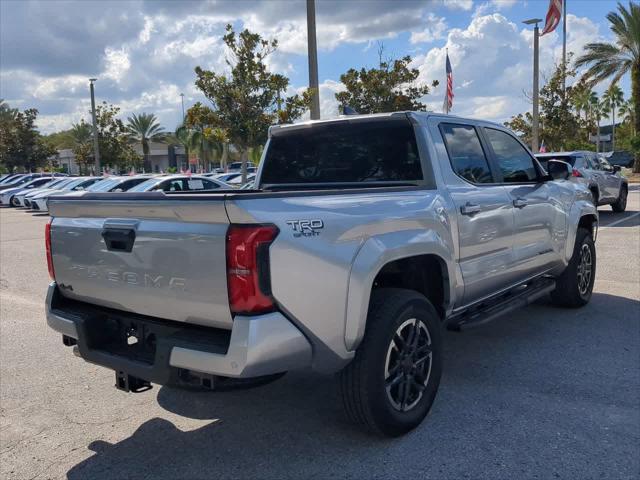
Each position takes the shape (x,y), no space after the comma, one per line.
(9,195)
(180,183)
(237,181)
(103,184)
(76,184)
(55,184)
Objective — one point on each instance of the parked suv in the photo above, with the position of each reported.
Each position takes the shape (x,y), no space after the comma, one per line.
(607,185)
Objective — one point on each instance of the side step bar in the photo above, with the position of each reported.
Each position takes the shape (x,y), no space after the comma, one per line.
(517,298)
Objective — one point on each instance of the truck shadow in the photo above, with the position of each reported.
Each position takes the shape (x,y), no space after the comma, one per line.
(294,427)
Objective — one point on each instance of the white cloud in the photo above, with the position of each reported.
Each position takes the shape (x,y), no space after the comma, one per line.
(492,64)
(434,31)
(117,64)
(459,4)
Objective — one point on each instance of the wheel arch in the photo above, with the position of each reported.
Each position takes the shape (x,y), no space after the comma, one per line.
(584,214)
(378,265)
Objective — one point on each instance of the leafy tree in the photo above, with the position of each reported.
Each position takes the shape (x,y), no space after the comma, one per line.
(144,129)
(614,60)
(390,87)
(7,114)
(205,138)
(21,145)
(559,127)
(114,139)
(81,135)
(613,98)
(250,98)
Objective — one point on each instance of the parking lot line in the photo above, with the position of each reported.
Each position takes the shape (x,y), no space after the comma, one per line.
(619,221)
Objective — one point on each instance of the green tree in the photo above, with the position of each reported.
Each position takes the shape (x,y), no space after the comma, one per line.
(250,98)
(21,145)
(599,112)
(390,87)
(144,129)
(613,98)
(114,139)
(628,114)
(614,60)
(559,127)
(81,135)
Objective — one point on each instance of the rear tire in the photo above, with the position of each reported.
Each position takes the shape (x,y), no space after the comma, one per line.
(620,205)
(392,382)
(575,286)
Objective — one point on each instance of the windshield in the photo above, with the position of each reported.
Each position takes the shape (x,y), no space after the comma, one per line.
(104,185)
(372,150)
(77,181)
(144,186)
(61,183)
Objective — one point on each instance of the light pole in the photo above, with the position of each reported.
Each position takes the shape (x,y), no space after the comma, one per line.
(313,59)
(534,125)
(182,100)
(96,148)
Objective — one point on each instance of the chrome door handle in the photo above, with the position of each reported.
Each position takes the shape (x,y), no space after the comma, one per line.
(470,209)
(520,203)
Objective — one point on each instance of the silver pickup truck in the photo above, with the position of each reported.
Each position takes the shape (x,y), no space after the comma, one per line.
(363,238)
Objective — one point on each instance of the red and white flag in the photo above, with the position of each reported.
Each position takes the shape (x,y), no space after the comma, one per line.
(543,148)
(554,15)
(448,98)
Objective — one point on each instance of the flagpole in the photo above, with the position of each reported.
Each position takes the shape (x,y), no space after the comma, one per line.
(446,77)
(564,44)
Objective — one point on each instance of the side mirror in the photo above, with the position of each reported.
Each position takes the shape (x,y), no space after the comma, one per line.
(559,170)
(617,168)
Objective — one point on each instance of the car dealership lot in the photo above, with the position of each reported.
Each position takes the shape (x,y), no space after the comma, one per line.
(544,392)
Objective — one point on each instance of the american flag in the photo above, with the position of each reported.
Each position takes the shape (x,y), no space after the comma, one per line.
(553,16)
(448,98)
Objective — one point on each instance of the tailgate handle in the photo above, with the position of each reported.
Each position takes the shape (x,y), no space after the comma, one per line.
(119,239)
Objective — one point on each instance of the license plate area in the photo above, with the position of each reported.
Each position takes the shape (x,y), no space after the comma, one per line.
(128,338)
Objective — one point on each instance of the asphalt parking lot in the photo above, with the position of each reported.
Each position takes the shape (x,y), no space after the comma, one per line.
(543,393)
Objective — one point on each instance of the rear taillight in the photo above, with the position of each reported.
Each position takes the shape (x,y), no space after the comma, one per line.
(576,173)
(47,243)
(248,279)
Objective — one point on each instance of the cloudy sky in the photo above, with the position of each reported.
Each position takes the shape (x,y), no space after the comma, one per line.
(144,51)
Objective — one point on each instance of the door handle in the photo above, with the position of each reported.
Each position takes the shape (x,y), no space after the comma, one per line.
(470,209)
(595,175)
(119,239)
(520,203)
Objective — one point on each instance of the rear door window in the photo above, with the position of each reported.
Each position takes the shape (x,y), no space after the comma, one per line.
(515,162)
(343,152)
(466,154)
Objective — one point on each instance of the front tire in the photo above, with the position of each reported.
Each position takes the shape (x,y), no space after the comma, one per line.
(575,286)
(392,382)
(620,205)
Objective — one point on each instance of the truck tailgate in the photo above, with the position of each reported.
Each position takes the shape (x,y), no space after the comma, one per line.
(155,255)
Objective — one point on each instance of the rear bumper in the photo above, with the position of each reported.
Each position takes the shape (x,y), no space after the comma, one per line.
(256,346)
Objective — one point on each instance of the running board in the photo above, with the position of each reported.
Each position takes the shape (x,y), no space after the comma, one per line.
(517,298)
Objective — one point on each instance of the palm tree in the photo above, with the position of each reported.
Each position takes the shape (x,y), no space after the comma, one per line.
(144,129)
(627,113)
(598,111)
(613,97)
(580,99)
(615,60)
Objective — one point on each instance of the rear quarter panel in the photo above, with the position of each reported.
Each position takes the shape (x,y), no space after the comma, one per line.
(323,281)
